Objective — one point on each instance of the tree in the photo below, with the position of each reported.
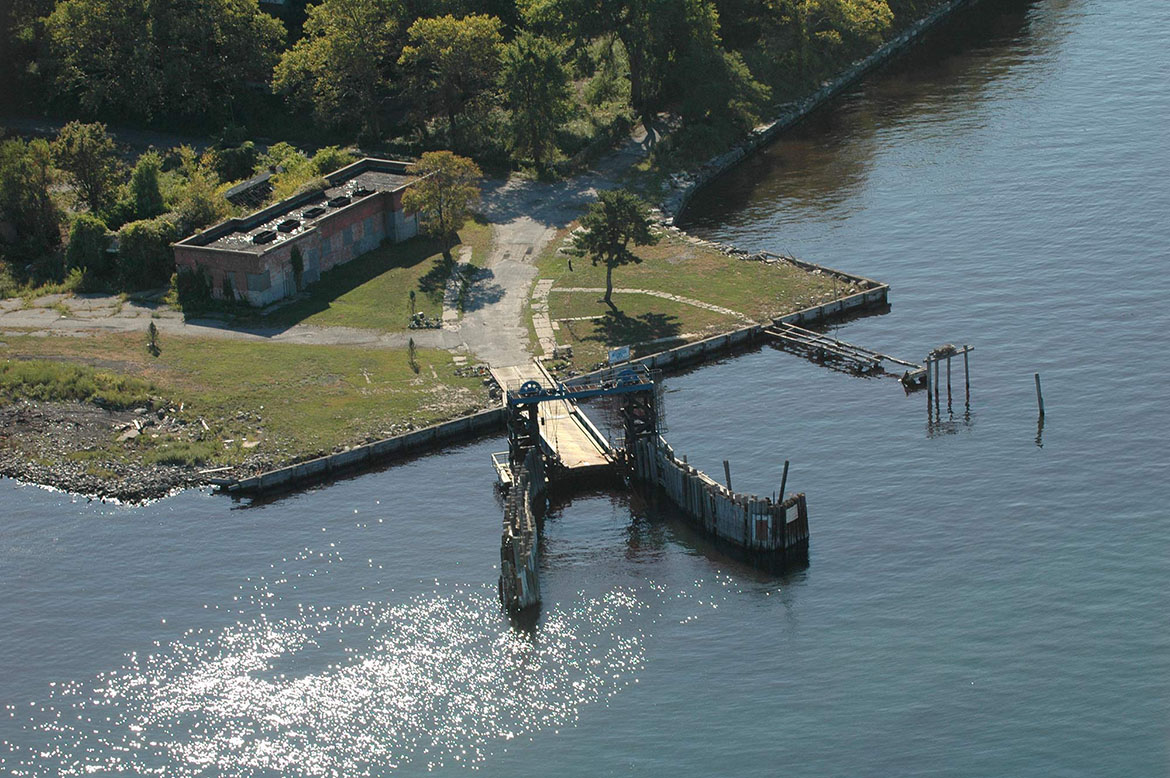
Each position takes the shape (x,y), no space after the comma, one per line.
(617,219)
(536,84)
(445,187)
(145,57)
(104,54)
(814,28)
(449,65)
(145,194)
(89,158)
(655,35)
(26,178)
(343,64)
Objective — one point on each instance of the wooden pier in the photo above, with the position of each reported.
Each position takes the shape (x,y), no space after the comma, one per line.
(551,442)
(858,359)
(567,437)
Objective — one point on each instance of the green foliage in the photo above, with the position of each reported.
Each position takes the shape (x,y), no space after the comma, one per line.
(145,257)
(301,173)
(49,381)
(233,163)
(611,224)
(343,64)
(198,203)
(192,290)
(88,241)
(143,58)
(446,187)
(26,204)
(816,33)
(87,155)
(145,194)
(536,84)
(298,266)
(332,158)
(450,66)
(190,453)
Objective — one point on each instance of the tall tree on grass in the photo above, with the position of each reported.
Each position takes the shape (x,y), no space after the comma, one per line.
(616,220)
(450,65)
(446,187)
(89,158)
(536,84)
(343,64)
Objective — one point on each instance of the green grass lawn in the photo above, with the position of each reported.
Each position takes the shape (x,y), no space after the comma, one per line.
(640,319)
(373,291)
(757,290)
(295,400)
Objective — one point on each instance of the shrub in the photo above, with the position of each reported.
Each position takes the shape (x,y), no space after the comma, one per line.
(192,289)
(331,158)
(234,162)
(145,257)
(88,242)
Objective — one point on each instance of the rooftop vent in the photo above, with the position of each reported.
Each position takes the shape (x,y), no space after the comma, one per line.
(362,191)
(337,202)
(312,213)
(264,236)
(288,225)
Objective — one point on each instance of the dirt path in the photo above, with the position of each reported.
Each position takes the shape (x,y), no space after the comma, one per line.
(525,215)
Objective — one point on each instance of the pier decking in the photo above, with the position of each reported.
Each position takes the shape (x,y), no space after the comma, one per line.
(567,436)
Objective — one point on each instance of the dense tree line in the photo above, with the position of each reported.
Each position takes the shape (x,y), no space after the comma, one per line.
(499,79)
(503,81)
(73,213)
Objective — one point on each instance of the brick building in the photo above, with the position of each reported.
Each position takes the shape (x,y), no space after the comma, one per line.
(251,256)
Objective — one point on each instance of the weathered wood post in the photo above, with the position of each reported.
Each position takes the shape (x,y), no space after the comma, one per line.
(783,480)
(929,386)
(936,388)
(966,378)
(948,383)
(1039,395)
(727,472)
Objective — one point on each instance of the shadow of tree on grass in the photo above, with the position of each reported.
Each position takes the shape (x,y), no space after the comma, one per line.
(615,328)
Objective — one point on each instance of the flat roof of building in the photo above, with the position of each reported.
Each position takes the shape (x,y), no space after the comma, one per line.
(265,229)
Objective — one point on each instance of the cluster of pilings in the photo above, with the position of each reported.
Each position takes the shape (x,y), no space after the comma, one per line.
(767,530)
(935,362)
(519,555)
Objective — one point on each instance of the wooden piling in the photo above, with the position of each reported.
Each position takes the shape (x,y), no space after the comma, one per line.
(727,472)
(929,386)
(1039,395)
(948,382)
(936,387)
(783,480)
(966,379)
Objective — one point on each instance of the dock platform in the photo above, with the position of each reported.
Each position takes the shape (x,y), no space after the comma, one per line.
(567,436)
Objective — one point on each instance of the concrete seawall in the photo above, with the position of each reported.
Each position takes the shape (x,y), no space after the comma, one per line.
(688,184)
(370,454)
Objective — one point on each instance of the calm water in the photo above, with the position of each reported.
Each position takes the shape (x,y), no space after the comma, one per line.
(983,597)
